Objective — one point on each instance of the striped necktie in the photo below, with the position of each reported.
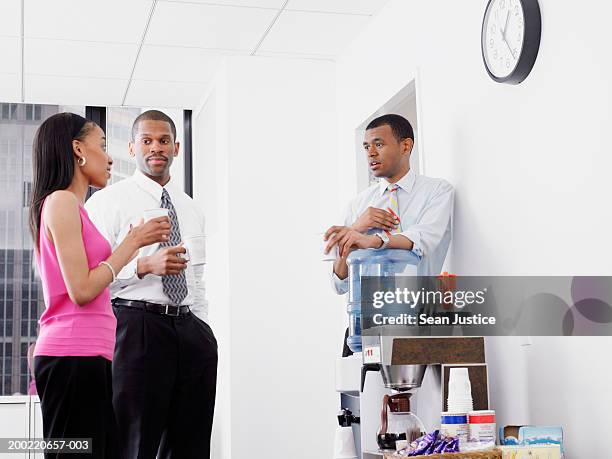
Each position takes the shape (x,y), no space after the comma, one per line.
(393,207)
(174,285)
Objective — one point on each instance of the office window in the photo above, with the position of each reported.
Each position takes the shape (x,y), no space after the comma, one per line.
(9,111)
(21,299)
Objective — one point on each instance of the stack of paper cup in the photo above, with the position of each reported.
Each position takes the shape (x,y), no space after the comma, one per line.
(459,391)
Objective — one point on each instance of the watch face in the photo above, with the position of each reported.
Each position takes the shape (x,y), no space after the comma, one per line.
(503,34)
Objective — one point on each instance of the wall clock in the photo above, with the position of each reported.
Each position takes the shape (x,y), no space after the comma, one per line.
(510,39)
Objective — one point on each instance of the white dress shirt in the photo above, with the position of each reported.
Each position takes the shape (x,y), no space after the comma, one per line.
(425,206)
(114,208)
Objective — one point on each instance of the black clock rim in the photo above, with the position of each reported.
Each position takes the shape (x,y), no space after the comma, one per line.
(531,43)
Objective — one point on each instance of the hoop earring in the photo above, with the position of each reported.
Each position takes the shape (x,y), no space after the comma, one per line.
(82,163)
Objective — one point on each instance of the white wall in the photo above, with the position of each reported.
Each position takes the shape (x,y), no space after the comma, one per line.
(530,164)
(264,167)
(210,187)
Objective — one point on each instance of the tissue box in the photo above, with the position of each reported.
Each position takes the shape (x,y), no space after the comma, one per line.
(531,435)
(531,451)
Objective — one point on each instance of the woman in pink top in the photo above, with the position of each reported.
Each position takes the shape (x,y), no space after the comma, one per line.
(74,349)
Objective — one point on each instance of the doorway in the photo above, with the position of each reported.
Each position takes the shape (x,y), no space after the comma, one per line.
(405,102)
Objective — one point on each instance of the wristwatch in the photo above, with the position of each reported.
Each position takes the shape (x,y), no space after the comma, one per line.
(385,240)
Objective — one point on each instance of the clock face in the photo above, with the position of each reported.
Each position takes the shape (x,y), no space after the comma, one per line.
(503,34)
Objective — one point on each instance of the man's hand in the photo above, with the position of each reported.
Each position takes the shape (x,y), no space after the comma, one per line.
(163,262)
(375,218)
(349,239)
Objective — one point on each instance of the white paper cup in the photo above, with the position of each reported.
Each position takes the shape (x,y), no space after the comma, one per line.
(147,215)
(196,250)
(459,373)
(154,213)
(333,253)
(344,444)
(459,383)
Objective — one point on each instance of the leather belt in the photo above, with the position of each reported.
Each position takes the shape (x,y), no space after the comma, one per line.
(165,309)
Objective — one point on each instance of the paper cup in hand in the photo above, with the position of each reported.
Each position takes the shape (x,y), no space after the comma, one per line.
(196,250)
(154,213)
(148,215)
(332,254)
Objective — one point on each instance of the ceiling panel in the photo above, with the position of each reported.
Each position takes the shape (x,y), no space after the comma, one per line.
(313,33)
(74,58)
(10,87)
(292,55)
(368,7)
(206,26)
(176,64)
(73,91)
(10,12)
(115,21)
(276,4)
(165,94)
(9,55)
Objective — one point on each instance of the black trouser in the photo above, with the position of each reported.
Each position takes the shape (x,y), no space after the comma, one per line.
(76,402)
(164,383)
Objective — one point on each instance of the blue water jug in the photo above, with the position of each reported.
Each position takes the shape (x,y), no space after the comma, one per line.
(370,262)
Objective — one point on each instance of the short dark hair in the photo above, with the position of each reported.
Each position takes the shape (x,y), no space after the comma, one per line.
(153,115)
(401,127)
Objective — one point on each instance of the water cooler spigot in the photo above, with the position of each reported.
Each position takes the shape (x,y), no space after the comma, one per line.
(346,418)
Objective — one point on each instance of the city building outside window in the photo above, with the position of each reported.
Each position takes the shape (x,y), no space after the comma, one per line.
(21,296)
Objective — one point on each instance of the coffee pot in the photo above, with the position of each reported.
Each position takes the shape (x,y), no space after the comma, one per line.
(397,422)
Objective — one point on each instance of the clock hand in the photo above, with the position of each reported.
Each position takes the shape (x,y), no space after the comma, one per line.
(506,26)
(503,34)
(509,48)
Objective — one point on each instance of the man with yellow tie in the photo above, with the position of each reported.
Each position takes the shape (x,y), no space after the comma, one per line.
(402,211)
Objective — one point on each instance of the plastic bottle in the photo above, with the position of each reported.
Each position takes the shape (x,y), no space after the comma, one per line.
(369,262)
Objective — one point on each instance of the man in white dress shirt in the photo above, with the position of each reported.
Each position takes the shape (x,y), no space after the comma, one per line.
(402,211)
(165,362)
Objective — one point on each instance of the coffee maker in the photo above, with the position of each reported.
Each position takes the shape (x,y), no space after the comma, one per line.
(414,370)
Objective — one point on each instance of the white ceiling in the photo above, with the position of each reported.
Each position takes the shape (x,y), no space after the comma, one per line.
(157,52)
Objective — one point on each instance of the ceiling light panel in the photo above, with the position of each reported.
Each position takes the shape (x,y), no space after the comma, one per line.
(10,12)
(42,89)
(367,7)
(207,26)
(164,94)
(10,87)
(116,21)
(177,64)
(274,4)
(313,33)
(9,53)
(74,58)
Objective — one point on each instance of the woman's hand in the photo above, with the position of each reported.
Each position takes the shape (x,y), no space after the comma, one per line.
(151,232)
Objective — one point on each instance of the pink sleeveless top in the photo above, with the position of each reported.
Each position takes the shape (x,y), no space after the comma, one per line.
(67,329)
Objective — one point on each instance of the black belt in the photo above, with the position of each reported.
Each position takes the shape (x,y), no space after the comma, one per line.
(165,309)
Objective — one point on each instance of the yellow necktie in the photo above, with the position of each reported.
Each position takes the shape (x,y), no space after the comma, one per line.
(393,207)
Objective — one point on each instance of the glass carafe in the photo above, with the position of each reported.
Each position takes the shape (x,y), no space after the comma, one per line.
(397,422)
